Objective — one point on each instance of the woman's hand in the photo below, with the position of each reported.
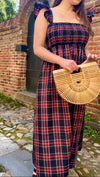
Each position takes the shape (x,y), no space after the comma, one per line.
(92,57)
(69,65)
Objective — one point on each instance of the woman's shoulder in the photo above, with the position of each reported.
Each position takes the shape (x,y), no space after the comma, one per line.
(90,13)
(43,9)
(38,6)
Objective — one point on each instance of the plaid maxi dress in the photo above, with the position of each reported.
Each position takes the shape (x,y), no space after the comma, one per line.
(58,125)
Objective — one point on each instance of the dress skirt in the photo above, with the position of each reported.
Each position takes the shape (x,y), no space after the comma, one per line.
(58,128)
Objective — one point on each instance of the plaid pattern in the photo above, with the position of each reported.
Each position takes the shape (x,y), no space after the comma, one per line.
(91,13)
(58,126)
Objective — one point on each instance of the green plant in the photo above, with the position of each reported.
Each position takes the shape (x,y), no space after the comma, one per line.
(2,169)
(7,9)
(9,101)
(87,118)
(89,131)
(5,98)
(2,96)
(15,104)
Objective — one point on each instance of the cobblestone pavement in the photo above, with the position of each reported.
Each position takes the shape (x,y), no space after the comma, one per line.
(17,124)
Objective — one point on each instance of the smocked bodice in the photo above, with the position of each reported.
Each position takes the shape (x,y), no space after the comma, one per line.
(66,33)
(65,39)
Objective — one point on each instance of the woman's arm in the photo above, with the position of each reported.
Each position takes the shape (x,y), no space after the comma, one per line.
(40,30)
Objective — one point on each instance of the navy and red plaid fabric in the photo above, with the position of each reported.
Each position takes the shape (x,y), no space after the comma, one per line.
(90,13)
(58,125)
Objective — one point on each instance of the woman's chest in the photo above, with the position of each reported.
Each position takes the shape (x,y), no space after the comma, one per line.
(66,33)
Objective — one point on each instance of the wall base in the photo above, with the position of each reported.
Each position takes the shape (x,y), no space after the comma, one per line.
(26,98)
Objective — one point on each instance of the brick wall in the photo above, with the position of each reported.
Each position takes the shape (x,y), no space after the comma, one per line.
(93,108)
(13,64)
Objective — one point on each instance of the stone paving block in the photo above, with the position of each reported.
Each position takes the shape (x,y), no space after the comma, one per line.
(6,145)
(19,163)
(72,173)
(1,174)
(5,174)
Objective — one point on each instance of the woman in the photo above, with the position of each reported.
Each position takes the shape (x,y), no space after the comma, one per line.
(58,126)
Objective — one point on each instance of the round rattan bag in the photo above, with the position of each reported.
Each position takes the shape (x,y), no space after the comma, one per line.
(79,87)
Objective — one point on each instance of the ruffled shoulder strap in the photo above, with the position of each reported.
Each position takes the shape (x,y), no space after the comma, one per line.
(90,13)
(47,14)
